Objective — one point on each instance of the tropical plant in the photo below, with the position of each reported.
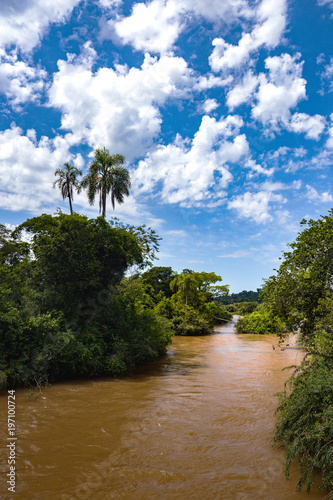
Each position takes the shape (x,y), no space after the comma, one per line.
(67,180)
(304,278)
(107,175)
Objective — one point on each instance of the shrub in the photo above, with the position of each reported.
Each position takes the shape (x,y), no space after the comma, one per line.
(305,415)
(261,321)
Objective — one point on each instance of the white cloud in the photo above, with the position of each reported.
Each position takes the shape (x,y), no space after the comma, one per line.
(255,206)
(110,4)
(313,195)
(155,26)
(313,126)
(270,24)
(228,10)
(18,81)
(280,90)
(23,22)
(152,27)
(119,108)
(211,81)
(257,169)
(242,92)
(27,168)
(195,174)
(209,105)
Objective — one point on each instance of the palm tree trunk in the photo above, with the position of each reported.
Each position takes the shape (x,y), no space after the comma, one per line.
(70,205)
(69,197)
(104,205)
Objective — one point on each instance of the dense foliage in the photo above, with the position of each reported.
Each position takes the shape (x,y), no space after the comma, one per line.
(261,321)
(304,278)
(192,308)
(65,310)
(305,416)
(68,310)
(301,296)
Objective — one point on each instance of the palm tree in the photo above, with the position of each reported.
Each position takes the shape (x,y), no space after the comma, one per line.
(67,180)
(107,175)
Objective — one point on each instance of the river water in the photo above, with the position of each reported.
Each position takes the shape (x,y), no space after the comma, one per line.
(195,425)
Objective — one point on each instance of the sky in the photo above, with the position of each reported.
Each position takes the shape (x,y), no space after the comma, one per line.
(222,109)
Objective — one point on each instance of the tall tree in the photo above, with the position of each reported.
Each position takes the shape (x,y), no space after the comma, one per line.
(107,175)
(66,181)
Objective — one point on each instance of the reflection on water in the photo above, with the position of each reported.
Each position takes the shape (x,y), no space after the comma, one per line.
(195,425)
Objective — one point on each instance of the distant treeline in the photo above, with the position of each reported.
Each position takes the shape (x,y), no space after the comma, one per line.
(244,296)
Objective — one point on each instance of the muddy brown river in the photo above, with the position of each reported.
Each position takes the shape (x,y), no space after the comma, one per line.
(195,425)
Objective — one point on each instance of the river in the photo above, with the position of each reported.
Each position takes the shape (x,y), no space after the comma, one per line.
(196,425)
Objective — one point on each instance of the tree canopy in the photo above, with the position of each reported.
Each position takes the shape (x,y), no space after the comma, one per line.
(305,276)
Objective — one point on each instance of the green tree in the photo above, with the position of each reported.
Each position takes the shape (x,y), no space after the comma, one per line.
(107,175)
(76,257)
(67,181)
(192,308)
(159,278)
(194,288)
(304,278)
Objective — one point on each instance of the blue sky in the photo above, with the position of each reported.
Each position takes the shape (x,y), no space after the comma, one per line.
(223,110)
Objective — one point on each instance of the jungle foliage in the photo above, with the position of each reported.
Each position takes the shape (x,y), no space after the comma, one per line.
(65,311)
(261,321)
(76,301)
(192,308)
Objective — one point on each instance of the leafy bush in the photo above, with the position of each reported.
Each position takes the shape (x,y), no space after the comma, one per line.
(261,321)
(305,416)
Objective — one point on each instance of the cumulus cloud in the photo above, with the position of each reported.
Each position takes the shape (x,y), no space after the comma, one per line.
(255,206)
(279,90)
(257,169)
(194,174)
(119,107)
(243,91)
(209,105)
(156,25)
(312,126)
(152,27)
(27,168)
(19,81)
(23,22)
(267,32)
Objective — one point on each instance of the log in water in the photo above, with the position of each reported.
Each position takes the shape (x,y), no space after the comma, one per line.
(196,425)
